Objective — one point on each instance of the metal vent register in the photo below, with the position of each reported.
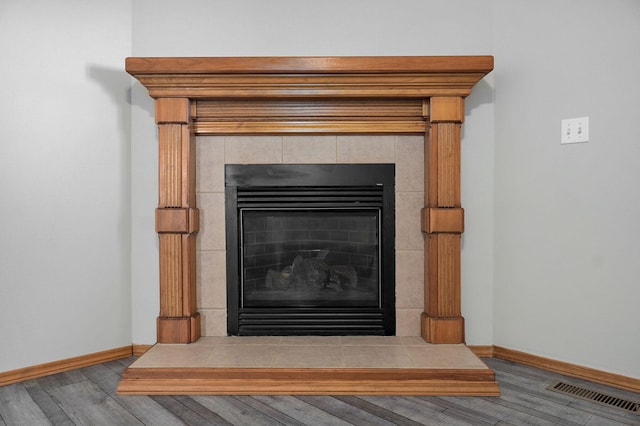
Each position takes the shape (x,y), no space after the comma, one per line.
(599,397)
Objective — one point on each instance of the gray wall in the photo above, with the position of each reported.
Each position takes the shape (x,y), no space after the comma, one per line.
(549,252)
(65,180)
(566,254)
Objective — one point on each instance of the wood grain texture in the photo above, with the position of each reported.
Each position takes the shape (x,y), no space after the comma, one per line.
(309,86)
(172,110)
(446,109)
(280,77)
(442,330)
(87,404)
(170,165)
(307,381)
(20,407)
(442,166)
(260,109)
(175,329)
(442,220)
(175,220)
(442,263)
(170,249)
(317,127)
(301,64)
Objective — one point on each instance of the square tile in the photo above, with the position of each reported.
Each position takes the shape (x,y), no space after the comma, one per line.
(444,356)
(408,322)
(253,149)
(252,356)
(366,149)
(412,340)
(301,356)
(309,149)
(311,340)
(240,340)
(410,163)
(409,279)
(371,340)
(212,281)
(212,228)
(213,322)
(174,355)
(369,356)
(210,164)
(409,234)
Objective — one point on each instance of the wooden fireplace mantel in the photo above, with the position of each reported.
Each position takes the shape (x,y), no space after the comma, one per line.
(309,95)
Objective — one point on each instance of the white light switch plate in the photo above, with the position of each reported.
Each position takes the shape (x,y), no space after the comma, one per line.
(574,130)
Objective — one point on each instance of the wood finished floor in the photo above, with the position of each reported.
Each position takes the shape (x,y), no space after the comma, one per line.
(87,396)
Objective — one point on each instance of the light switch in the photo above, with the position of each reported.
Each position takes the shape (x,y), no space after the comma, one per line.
(574,130)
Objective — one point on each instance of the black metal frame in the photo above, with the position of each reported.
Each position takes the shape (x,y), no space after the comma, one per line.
(313,186)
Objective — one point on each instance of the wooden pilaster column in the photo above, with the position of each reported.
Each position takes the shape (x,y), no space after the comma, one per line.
(177,223)
(443,223)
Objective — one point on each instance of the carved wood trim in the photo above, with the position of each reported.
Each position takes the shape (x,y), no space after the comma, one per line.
(308,127)
(310,95)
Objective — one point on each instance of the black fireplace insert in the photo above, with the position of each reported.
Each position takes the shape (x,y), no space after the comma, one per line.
(310,249)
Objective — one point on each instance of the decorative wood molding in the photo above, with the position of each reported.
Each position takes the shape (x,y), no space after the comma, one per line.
(41,370)
(177,220)
(447,109)
(281,95)
(308,127)
(447,220)
(311,77)
(310,65)
(307,381)
(573,370)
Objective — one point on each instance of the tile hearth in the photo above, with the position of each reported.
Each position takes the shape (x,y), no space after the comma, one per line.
(310,352)
(320,365)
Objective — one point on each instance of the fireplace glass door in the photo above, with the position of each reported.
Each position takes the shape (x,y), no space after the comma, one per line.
(310,249)
(318,258)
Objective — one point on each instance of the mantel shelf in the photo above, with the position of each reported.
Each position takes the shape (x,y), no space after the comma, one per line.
(309,77)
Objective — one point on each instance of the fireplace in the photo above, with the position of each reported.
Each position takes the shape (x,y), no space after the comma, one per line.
(310,249)
(342,96)
(310,95)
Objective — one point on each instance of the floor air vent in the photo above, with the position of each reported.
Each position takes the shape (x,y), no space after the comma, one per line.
(599,397)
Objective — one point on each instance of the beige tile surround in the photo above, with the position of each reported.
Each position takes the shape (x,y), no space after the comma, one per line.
(213,152)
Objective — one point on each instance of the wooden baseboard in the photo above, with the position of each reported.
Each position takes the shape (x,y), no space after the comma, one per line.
(586,373)
(481,351)
(41,370)
(139,350)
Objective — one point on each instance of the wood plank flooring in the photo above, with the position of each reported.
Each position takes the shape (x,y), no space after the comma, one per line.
(88,397)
